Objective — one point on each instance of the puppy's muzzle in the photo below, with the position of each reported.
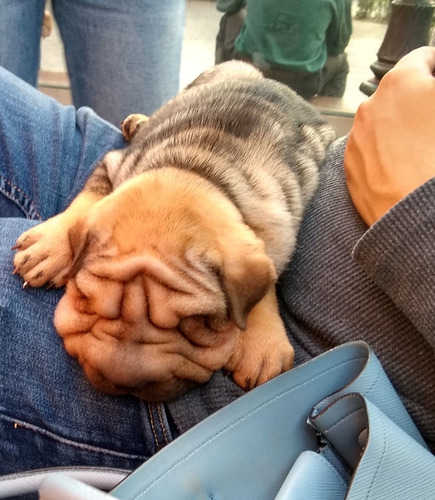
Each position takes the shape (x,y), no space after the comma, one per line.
(105,325)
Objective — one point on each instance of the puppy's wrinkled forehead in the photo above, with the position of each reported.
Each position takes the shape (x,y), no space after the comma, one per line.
(176,287)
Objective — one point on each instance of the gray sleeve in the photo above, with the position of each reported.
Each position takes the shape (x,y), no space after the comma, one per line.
(398,253)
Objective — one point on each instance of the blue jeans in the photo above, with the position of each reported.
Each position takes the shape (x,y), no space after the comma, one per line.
(49,413)
(123,57)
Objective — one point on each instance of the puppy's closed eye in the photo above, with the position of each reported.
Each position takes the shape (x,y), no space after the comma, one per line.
(215,345)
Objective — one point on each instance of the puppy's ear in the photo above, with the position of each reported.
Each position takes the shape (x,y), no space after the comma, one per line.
(130,125)
(246,281)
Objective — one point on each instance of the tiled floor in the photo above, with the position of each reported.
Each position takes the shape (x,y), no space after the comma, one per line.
(202,20)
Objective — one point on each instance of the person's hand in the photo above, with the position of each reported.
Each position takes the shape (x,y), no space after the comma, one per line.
(391,147)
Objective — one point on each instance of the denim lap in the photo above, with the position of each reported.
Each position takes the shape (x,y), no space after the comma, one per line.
(49,413)
(47,151)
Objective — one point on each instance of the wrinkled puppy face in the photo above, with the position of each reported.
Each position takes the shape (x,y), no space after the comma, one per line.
(161,287)
(106,325)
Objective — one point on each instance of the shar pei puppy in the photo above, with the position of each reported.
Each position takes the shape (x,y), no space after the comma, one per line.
(171,252)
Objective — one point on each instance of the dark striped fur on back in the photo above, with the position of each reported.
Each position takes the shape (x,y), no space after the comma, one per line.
(254,138)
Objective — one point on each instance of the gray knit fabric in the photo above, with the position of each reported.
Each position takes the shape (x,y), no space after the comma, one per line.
(349,283)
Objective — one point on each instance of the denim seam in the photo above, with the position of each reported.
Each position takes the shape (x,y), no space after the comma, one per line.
(69,442)
(162,423)
(158,427)
(8,194)
(153,428)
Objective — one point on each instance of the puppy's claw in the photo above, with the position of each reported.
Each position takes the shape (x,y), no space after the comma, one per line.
(25,285)
(252,367)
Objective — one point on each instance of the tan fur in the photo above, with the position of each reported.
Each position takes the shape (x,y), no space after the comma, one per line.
(172,265)
(168,278)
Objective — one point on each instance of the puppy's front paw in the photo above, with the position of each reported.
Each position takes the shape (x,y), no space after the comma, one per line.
(44,254)
(254,364)
(263,350)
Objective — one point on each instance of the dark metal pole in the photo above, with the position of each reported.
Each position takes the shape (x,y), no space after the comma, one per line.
(408,28)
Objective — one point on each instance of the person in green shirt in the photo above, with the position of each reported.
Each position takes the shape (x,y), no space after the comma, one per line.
(300,43)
